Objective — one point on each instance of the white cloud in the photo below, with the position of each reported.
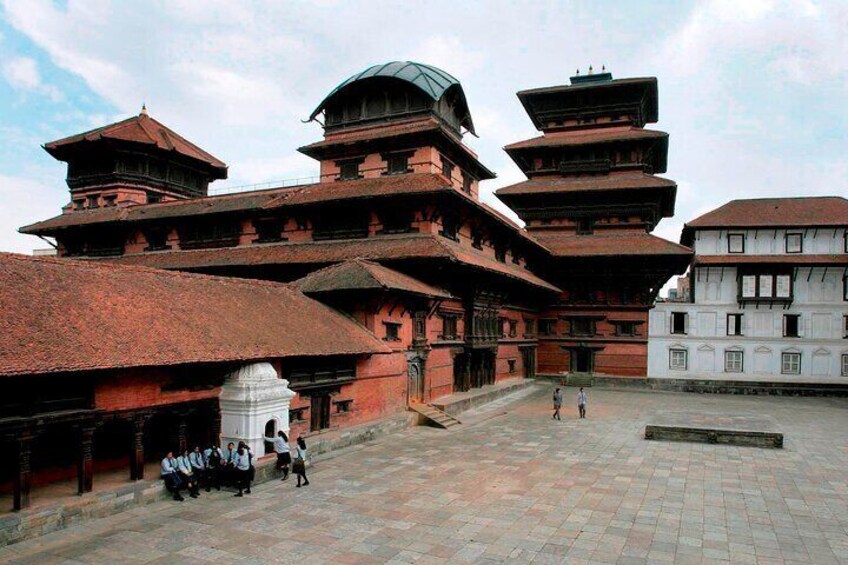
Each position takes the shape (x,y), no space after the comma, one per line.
(22,74)
(25,200)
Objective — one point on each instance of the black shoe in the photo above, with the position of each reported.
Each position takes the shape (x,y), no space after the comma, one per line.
(298,486)
(306,483)
(179,498)
(194,495)
(238,494)
(208,489)
(247,491)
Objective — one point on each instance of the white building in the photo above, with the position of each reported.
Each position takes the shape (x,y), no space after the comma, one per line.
(769,296)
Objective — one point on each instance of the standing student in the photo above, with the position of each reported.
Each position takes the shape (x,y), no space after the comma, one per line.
(557,404)
(299,464)
(582,400)
(214,466)
(171,476)
(228,469)
(283,451)
(251,471)
(242,471)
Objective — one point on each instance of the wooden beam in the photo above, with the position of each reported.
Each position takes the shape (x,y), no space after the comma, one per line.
(23,472)
(85,460)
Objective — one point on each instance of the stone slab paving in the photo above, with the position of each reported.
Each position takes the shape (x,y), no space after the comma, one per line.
(512,486)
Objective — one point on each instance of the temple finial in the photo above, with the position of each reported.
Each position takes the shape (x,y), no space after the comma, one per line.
(590,69)
(143,109)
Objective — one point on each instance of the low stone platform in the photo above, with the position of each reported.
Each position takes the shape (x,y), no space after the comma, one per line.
(711,427)
(461,401)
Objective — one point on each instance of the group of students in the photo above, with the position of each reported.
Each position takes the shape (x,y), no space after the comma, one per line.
(233,466)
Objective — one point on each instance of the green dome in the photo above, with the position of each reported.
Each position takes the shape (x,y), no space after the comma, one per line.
(431,81)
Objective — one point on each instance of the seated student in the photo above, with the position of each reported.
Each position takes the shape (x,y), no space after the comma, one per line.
(171,476)
(187,475)
(214,466)
(229,464)
(242,470)
(198,467)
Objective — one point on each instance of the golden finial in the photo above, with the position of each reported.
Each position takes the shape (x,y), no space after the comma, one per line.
(590,69)
(143,109)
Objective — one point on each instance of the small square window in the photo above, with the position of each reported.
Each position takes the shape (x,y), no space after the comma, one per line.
(392,331)
(790,363)
(585,226)
(153,198)
(92,200)
(791,325)
(677,359)
(625,329)
(511,363)
(733,361)
(513,328)
(547,327)
(734,324)
(736,243)
(529,327)
(582,327)
(397,164)
(349,170)
(79,204)
(794,242)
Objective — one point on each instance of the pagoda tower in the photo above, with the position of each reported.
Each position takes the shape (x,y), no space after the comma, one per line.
(592,198)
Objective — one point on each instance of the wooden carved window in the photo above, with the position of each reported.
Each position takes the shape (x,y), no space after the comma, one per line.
(397,163)
(585,226)
(349,170)
(392,331)
(547,326)
(157,239)
(627,329)
(529,327)
(268,230)
(449,325)
(91,200)
(467,181)
(447,168)
(582,327)
(513,328)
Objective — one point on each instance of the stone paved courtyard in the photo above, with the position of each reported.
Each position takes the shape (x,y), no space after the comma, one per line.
(512,486)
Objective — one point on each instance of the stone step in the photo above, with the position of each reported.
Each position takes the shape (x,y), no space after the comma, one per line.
(435,416)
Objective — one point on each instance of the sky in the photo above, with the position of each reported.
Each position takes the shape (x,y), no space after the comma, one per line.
(752,92)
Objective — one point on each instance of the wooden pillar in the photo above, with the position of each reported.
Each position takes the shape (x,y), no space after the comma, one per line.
(137,448)
(182,427)
(23,472)
(85,461)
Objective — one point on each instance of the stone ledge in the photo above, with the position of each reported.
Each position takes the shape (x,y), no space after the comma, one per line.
(459,402)
(716,436)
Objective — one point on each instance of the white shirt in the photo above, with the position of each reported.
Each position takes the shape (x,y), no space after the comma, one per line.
(280,445)
(582,399)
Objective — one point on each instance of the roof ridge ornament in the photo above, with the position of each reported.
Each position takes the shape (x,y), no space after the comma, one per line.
(143,109)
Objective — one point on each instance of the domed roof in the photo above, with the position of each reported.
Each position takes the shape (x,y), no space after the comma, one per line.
(431,81)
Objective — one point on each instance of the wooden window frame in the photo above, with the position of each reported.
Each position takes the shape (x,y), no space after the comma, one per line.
(797,318)
(740,318)
(685,329)
(392,328)
(730,237)
(800,236)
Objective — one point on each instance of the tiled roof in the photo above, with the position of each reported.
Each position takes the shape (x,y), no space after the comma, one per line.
(61,315)
(341,191)
(383,248)
(144,130)
(787,259)
(360,274)
(601,245)
(777,212)
(587,137)
(544,185)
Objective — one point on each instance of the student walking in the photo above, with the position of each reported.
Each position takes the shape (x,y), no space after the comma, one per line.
(557,404)
(299,465)
(582,400)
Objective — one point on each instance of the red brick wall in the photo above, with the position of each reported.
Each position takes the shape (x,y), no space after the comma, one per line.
(139,388)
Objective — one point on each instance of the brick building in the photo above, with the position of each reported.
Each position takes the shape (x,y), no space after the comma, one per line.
(396,237)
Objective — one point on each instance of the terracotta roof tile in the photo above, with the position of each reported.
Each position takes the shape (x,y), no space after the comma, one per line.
(787,259)
(383,248)
(587,137)
(61,315)
(544,185)
(598,245)
(360,274)
(144,130)
(777,212)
